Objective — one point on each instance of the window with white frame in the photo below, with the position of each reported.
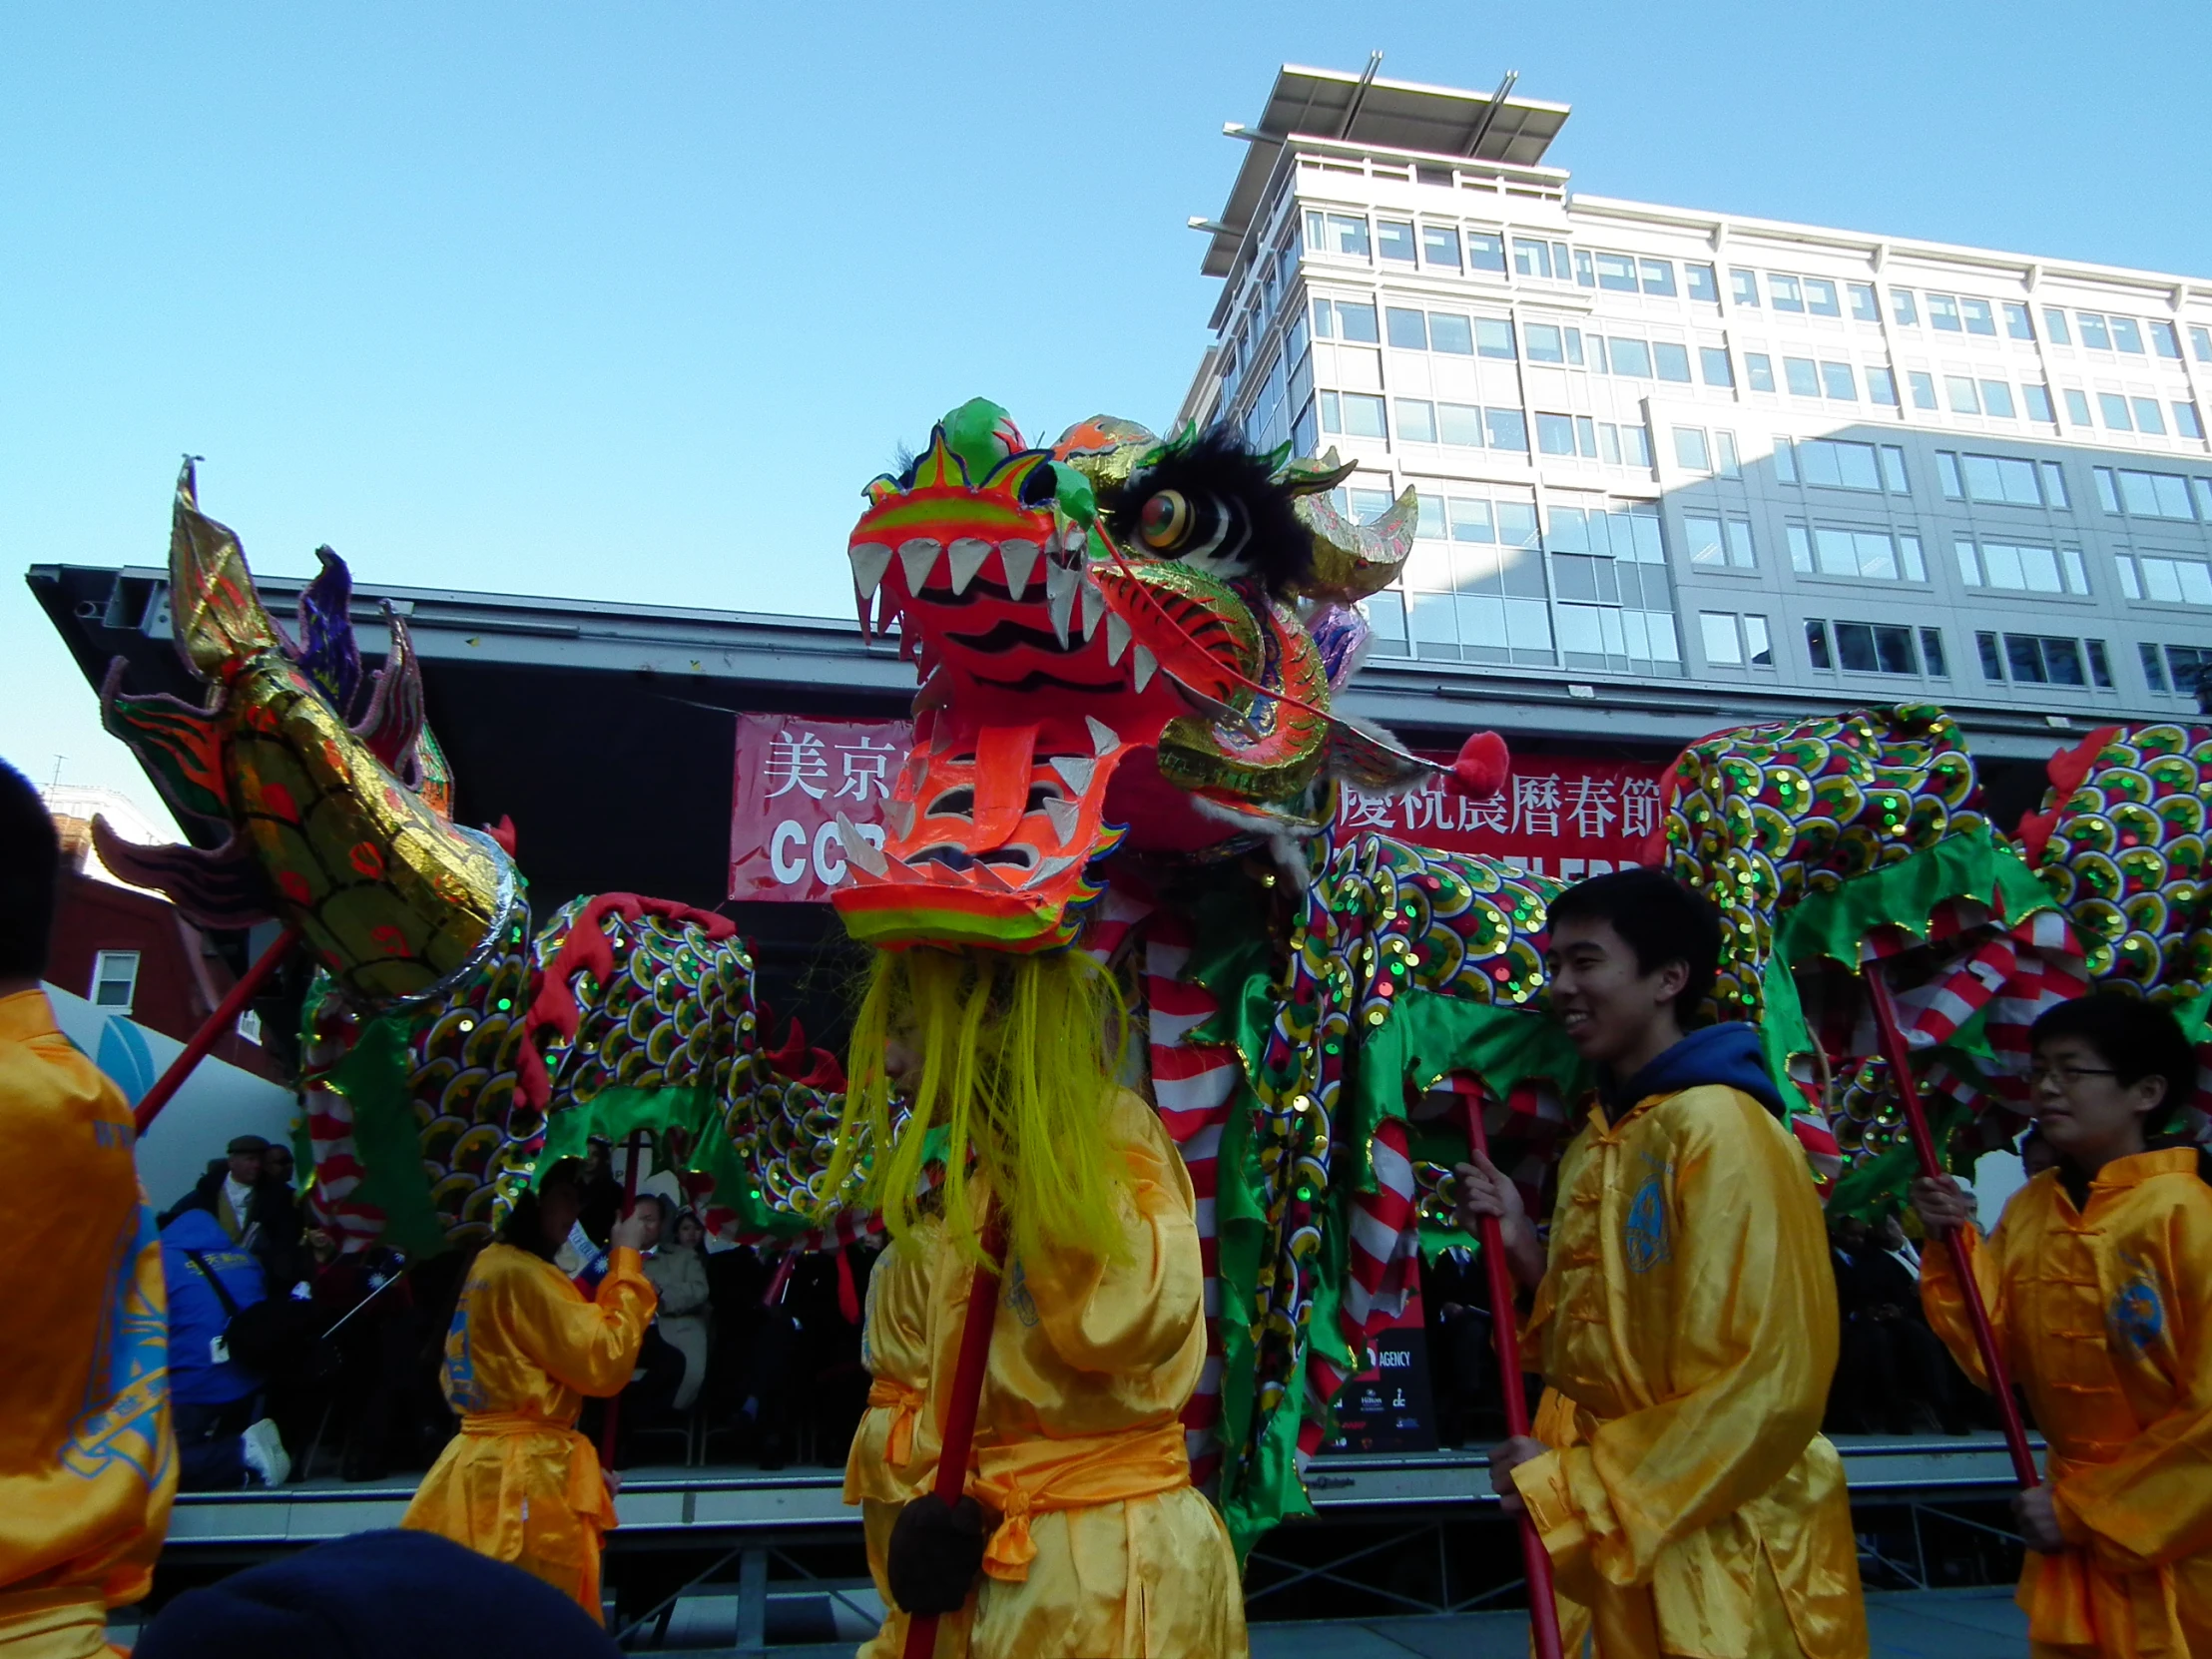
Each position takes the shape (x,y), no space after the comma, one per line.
(1733,639)
(1840,550)
(115,980)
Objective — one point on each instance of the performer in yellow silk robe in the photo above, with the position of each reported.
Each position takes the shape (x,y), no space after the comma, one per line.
(1685,1318)
(1103,1547)
(895,1450)
(2099,1288)
(518,1484)
(87,1461)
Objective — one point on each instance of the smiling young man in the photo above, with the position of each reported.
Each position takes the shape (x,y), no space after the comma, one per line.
(2099,1286)
(1685,1317)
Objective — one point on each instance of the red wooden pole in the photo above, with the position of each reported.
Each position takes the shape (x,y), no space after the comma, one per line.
(1900,1055)
(959,1416)
(223,1019)
(1543,1611)
(607,1423)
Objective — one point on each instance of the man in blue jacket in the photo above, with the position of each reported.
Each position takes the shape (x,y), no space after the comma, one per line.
(222,1434)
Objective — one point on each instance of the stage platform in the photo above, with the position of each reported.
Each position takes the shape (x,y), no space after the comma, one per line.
(689,1508)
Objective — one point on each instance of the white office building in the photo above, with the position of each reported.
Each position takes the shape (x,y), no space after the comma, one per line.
(1657,443)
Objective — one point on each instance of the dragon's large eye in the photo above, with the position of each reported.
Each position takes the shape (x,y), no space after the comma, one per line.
(1164,522)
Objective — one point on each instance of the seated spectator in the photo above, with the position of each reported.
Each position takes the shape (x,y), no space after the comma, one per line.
(257,1210)
(373,1595)
(222,1433)
(678,1270)
(1891,1376)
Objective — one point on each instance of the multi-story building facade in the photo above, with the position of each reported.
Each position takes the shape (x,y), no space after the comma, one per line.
(1657,444)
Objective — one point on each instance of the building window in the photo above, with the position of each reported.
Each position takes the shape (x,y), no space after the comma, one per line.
(1555,434)
(1713,364)
(1802,377)
(1671,361)
(1820,297)
(1629,357)
(2171,581)
(1701,283)
(1691,450)
(1838,463)
(2164,340)
(2186,420)
(1978,316)
(1393,240)
(1860,647)
(1743,286)
(1893,470)
(1932,652)
(2093,332)
(1782,293)
(2043,660)
(2018,323)
(1658,277)
(1493,338)
(1759,371)
(1417,419)
(2021,567)
(1863,306)
(1881,386)
(2148,417)
(2125,334)
(1924,389)
(1713,542)
(2054,487)
(2037,398)
(1735,641)
(1409,330)
(1724,452)
(1486,252)
(2189,667)
(1450,333)
(2054,324)
(1943,312)
(1616,271)
(1870,555)
(115,980)
(1997,399)
(2004,481)
(1959,390)
(1900,307)
(1837,381)
(2144,494)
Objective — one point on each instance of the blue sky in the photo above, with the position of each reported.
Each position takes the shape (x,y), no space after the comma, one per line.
(627,301)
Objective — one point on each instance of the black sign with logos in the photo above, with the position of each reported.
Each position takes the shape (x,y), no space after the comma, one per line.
(1390,1409)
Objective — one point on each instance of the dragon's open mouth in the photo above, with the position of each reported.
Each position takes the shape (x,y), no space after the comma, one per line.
(1066,620)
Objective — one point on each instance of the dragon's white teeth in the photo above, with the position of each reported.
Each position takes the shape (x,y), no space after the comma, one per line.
(870,560)
(1117,635)
(1145,664)
(919,556)
(1094,605)
(1075,539)
(898,818)
(1103,739)
(1066,816)
(988,875)
(964,559)
(1020,560)
(1060,584)
(1047,868)
(1075,772)
(860,849)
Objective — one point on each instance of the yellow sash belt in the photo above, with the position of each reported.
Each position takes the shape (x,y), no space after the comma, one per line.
(1037,1477)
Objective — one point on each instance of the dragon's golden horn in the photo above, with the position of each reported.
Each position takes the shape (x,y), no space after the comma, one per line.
(217,617)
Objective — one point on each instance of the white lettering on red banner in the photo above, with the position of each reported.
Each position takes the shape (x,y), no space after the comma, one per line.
(794,776)
(1557,814)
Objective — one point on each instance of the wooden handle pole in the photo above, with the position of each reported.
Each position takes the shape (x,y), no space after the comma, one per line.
(1543,1611)
(1900,1055)
(959,1416)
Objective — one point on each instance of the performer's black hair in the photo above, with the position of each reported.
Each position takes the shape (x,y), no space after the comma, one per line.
(30,872)
(523,1229)
(1658,918)
(2138,1040)
(1216,464)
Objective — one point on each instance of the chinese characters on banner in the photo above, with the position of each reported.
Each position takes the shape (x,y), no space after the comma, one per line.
(795,775)
(1556,816)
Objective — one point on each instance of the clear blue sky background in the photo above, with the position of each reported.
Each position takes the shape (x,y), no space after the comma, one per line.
(627,301)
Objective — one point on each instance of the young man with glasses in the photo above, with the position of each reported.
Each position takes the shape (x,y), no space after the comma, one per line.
(2099,1286)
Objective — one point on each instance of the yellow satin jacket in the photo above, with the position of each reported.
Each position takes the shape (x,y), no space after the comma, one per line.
(88,1464)
(518,1484)
(1686,1328)
(2104,1314)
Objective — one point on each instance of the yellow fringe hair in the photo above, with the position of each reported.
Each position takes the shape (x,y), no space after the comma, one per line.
(1017,1060)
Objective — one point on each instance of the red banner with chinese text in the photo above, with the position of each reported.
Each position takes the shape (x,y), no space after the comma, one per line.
(795,775)
(1557,814)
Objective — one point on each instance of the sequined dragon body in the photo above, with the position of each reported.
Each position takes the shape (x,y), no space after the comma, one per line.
(445,1040)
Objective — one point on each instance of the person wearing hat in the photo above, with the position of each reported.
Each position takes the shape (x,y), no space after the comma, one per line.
(229,1189)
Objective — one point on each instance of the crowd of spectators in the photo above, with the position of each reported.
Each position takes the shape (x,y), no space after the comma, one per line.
(284,1346)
